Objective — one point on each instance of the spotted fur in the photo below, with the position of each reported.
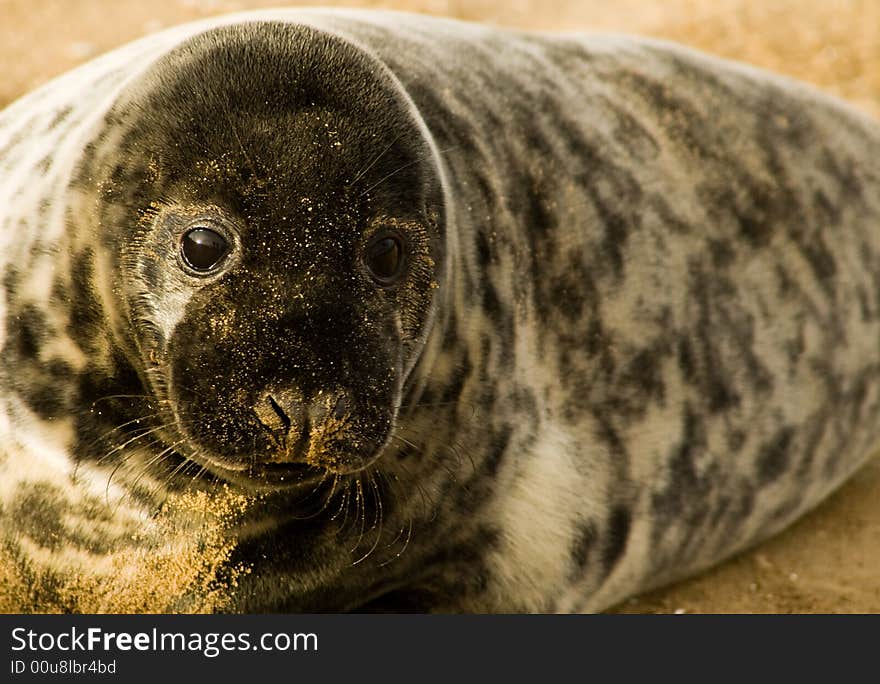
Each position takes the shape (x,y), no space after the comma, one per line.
(647,335)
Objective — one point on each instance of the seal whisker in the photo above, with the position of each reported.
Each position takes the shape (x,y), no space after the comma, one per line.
(343,506)
(201,471)
(125,458)
(184,463)
(457,448)
(442,462)
(396,495)
(117,428)
(467,452)
(154,460)
(147,432)
(330,494)
(360,511)
(327,498)
(429,506)
(391,483)
(409,529)
(377,522)
(314,490)
(375,160)
(237,137)
(109,397)
(401,168)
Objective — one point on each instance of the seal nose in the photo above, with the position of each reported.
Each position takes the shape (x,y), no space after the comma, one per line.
(294,422)
(281,413)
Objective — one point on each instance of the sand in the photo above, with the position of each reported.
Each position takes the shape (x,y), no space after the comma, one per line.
(828,562)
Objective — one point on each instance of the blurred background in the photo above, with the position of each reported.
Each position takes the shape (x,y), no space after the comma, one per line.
(829,561)
(832,43)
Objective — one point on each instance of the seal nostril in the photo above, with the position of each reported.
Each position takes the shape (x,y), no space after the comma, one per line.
(272,415)
(341,408)
(282,416)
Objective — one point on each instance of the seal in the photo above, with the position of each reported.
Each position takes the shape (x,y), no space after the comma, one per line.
(404,313)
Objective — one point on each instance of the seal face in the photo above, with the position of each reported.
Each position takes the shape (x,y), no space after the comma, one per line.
(451,318)
(280,243)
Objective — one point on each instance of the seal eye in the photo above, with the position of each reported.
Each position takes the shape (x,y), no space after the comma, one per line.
(203,248)
(384,258)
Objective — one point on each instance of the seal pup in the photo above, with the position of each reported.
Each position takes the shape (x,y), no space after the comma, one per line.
(472,319)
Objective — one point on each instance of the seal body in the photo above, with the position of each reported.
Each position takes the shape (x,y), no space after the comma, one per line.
(498,321)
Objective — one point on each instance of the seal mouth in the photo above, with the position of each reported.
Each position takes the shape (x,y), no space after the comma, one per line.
(292,474)
(274,476)
(251,474)
(262,476)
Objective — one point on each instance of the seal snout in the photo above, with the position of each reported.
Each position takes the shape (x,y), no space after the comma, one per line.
(278,411)
(283,413)
(294,422)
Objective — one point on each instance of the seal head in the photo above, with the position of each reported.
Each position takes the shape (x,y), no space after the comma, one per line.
(277,221)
